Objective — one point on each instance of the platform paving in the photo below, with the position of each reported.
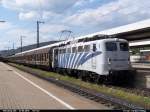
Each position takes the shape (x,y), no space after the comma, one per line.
(20,90)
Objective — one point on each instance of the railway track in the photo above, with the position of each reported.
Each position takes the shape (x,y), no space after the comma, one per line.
(138,91)
(105,99)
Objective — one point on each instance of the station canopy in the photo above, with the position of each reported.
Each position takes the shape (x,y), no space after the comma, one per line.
(131,32)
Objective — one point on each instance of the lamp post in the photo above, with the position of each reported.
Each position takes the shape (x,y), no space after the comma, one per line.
(38,22)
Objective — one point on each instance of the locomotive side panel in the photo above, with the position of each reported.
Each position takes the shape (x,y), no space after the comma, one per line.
(99,57)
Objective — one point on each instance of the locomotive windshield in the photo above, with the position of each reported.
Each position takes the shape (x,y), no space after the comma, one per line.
(124,46)
(111,46)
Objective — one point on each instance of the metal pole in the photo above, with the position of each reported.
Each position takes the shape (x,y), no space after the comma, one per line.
(37,34)
(21,42)
(8,52)
(21,37)
(38,42)
(13,48)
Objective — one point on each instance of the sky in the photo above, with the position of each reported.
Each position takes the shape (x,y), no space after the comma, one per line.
(79,16)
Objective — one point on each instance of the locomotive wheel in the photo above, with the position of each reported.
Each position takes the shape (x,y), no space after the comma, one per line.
(79,75)
(75,73)
(87,77)
(57,70)
(84,75)
(93,78)
(97,79)
(64,72)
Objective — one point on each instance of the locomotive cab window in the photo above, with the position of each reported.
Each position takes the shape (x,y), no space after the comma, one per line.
(59,51)
(64,50)
(87,48)
(124,46)
(68,50)
(94,47)
(80,49)
(111,46)
(74,49)
(56,51)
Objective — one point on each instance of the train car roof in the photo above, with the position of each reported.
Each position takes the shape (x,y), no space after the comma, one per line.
(44,47)
(52,45)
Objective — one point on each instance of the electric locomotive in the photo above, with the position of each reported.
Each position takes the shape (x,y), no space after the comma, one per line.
(97,58)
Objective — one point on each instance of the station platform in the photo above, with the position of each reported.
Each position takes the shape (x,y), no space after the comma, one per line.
(141,65)
(20,90)
(142,76)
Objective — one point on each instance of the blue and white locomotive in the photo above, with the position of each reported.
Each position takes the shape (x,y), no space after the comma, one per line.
(98,58)
(94,58)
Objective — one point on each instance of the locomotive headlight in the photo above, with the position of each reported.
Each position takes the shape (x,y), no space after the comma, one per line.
(109,60)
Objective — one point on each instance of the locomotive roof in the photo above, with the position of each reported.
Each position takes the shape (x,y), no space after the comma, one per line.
(91,42)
